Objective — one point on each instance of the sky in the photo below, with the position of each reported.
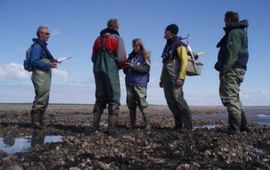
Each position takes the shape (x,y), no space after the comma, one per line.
(75,24)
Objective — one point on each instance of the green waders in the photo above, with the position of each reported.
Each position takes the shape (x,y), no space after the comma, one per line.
(107,92)
(178,106)
(38,137)
(42,83)
(136,96)
(229,94)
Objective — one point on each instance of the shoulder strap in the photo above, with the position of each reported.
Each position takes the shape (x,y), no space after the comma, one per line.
(49,55)
(102,45)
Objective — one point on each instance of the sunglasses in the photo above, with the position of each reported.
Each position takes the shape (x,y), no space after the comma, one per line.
(47,33)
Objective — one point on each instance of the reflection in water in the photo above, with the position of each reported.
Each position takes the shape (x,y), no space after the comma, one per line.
(207,126)
(250,147)
(9,137)
(263,119)
(12,145)
(20,145)
(263,123)
(264,116)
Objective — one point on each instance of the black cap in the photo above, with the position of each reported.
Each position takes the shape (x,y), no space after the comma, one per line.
(173,28)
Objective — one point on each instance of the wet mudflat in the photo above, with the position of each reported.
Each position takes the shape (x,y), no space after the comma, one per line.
(67,142)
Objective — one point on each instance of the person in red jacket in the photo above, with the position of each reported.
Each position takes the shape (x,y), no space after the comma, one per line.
(108,57)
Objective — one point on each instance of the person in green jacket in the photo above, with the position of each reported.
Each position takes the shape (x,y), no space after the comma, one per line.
(108,57)
(232,64)
(175,61)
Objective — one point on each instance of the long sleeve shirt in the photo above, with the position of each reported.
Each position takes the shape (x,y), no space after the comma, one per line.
(37,54)
(183,58)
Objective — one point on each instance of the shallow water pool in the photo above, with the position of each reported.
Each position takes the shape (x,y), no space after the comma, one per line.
(23,144)
(207,126)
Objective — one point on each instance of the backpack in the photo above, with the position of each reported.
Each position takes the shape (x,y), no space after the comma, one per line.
(194,67)
(27,61)
(102,46)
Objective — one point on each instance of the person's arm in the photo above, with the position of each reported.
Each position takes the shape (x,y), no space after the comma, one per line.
(95,49)
(161,77)
(143,68)
(36,61)
(232,48)
(121,52)
(183,58)
(125,70)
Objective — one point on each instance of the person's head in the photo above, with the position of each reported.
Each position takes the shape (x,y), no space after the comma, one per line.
(171,31)
(43,33)
(113,24)
(231,18)
(137,45)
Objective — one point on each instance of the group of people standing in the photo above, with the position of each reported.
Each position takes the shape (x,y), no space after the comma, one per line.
(109,57)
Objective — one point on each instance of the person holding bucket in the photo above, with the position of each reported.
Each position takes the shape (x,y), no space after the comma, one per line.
(175,62)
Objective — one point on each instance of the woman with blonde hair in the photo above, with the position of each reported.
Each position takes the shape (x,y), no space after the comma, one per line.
(137,78)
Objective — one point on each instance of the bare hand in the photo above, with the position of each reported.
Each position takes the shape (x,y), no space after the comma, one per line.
(129,65)
(222,78)
(179,82)
(53,64)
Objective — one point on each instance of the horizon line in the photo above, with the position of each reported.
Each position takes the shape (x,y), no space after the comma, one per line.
(21,103)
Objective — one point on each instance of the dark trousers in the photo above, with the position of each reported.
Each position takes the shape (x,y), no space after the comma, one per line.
(178,106)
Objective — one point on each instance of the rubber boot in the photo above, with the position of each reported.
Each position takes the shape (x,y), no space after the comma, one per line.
(146,118)
(113,121)
(41,119)
(177,122)
(178,126)
(113,116)
(186,118)
(96,119)
(234,121)
(244,123)
(38,137)
(132,114)
(35,119)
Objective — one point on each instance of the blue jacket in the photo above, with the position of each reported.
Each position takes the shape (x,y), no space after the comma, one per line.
(40,51)
(139,73)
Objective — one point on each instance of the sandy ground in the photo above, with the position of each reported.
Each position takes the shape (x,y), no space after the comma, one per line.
(160,148)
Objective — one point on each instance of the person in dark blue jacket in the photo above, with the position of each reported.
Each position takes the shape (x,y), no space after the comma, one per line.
(137,77)
(41,62)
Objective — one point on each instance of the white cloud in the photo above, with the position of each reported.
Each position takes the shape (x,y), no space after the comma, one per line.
(21,50)
(55,32)
(81,82)
(256,95)
(156,64)
(66,93)
(14,71)
(60,73)
(77,90)
(2,73)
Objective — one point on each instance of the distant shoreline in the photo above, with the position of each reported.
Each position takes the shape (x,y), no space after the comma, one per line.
(65,104)
(255,114)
